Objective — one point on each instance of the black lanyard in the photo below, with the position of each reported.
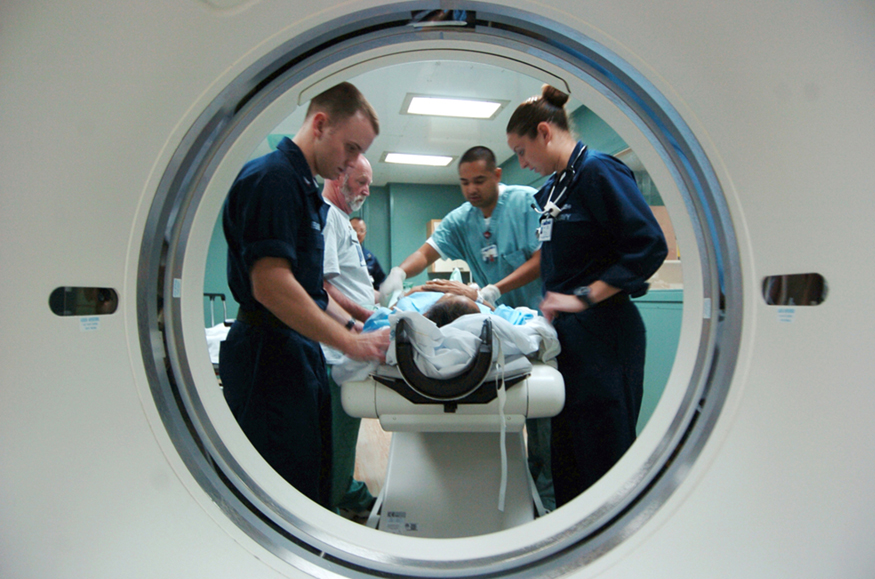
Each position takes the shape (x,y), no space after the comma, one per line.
(553,208)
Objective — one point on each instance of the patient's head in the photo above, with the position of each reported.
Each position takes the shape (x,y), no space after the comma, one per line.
(450,307)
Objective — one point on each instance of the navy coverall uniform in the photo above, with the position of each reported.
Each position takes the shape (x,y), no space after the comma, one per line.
(374,269)
(605,231)
(274,378)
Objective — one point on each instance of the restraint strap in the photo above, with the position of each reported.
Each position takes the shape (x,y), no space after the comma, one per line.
(502,399)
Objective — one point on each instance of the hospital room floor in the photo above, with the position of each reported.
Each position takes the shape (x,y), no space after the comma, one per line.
(372,455)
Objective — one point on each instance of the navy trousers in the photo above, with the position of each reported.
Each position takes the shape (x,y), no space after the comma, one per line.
(275,383)
(602,362)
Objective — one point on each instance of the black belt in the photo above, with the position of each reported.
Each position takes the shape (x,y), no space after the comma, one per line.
(260,318)
(614,300)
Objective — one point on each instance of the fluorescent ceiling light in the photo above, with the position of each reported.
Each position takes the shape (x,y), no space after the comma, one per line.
(408,159)
(452,107)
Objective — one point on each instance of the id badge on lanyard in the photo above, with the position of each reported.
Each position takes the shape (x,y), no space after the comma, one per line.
(545,232)
(552,207)
(489,253)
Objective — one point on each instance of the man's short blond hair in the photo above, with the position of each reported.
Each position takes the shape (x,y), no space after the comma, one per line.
(341,102)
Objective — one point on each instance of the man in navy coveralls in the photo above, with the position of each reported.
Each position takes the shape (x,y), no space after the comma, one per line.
(271,364)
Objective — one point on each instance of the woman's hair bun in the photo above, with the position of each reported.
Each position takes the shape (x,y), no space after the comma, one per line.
(554,96)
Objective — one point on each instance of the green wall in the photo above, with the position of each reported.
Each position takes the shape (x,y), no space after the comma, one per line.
(375,213)
(661,311)
(216,278)
(417,205)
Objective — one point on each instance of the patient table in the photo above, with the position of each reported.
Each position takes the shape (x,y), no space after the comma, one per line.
(457,463)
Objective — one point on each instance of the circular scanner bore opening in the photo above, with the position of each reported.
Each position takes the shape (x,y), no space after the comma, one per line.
(241,117)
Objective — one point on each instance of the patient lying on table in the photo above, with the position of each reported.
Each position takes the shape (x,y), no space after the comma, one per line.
(449,308)
(446,338)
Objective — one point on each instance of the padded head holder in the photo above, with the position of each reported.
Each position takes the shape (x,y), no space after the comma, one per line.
(443,389)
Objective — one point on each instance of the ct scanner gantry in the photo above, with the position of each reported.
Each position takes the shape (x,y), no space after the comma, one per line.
(122,125)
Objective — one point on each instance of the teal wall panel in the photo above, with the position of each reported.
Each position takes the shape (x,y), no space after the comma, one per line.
(596,133)
(412,207)
(661,311)
(215,276)
(375,213)
(513,174)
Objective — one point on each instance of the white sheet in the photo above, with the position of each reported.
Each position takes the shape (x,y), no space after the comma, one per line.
(445,352)
(215,336)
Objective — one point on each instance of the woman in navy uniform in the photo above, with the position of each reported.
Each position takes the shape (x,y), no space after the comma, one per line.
(600,244)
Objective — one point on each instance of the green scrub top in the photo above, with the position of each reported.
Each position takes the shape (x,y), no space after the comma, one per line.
(495,251)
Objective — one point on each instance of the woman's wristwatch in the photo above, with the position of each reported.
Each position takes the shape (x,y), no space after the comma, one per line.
(582,293)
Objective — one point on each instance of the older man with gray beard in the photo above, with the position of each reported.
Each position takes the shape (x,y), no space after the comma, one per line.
(347,281)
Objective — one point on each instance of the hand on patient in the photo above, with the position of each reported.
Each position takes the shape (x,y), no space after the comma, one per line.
(489,295)
(450,287)
(394,282)
(369,346)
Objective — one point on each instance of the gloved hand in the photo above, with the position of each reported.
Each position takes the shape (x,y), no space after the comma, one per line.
(489,294)
(394,282)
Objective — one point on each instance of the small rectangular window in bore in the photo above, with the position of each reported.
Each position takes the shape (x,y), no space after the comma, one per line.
(801,289)
(83,301)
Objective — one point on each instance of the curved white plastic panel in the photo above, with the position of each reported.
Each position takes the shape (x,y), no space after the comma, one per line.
(545,399)
(359,398)
(540,395)
(94,99)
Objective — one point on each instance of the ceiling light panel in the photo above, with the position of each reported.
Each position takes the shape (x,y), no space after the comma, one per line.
(415,104)
(412,159)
